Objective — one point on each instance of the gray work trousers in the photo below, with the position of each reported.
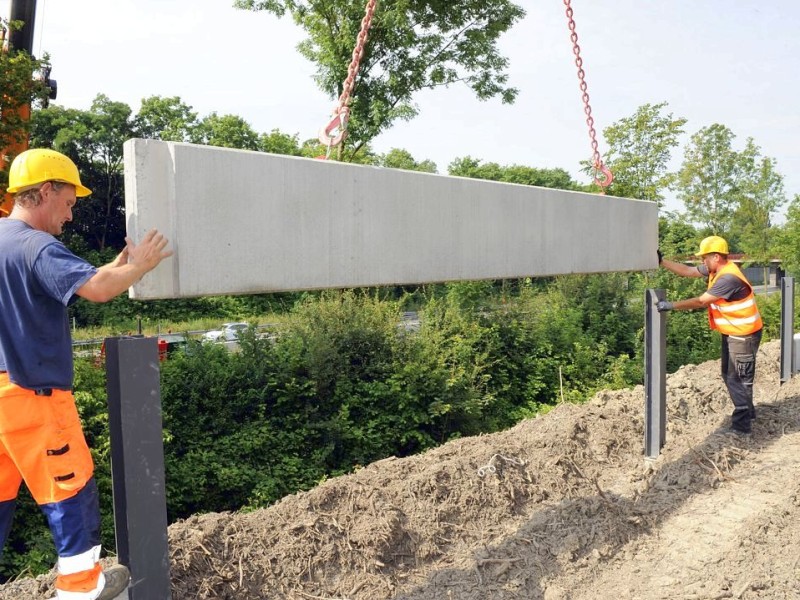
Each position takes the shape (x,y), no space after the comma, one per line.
(738,373)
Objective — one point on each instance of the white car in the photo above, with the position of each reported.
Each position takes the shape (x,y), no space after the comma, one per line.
(229,332)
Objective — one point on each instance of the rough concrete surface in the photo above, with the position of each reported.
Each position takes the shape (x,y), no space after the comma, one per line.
(560,507)
(248,222)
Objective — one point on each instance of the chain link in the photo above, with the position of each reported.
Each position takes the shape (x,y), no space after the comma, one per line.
(341,113)
(603,175)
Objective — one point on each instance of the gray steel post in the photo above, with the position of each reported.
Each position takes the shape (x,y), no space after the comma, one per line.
(787,328)
(655,378)
(137,464)
(22,39)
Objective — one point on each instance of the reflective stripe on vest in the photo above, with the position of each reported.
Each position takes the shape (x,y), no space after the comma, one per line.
(737,317)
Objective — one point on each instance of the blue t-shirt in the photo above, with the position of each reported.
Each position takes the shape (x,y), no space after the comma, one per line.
(39,280)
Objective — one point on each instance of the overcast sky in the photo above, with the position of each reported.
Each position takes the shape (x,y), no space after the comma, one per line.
(714,61)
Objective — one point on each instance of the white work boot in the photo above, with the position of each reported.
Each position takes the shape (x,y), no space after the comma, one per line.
(117,579)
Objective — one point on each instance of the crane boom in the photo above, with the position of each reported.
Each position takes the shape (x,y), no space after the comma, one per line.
(18,40)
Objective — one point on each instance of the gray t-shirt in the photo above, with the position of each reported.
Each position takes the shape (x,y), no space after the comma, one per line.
(726,286)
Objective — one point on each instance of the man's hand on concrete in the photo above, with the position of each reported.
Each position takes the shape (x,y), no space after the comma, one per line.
(149,252)
(664,306)
(660,256)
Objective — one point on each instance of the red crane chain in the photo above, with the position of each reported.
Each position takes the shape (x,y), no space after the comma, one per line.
(341,112)
(603,175)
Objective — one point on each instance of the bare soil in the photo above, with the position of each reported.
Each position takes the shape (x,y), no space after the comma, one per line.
(560,507)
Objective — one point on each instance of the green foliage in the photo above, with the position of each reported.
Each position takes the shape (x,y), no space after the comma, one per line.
(603,302)
(707,182)
(168,119)
(472,167)
(93,139)
(277,142)
(787,239)
(454,354)
(469,295)
(639,152)
(230,432)
(29,549)
(536,338)
(677,237)
(761,194)
(227,131)
(770,309)
(344,378)
(397,158)
(689,338)
(413,45)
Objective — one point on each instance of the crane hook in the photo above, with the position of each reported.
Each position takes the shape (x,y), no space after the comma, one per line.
(339,121)
(603,176)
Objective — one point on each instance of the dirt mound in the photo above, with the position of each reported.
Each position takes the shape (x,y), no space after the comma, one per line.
(560,507)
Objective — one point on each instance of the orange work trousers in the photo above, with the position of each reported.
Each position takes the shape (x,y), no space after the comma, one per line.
(42,443)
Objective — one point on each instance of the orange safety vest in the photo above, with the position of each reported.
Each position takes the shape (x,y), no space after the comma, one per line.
(734,317)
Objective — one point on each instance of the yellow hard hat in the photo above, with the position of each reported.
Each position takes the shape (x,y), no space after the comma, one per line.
(39,165)
(712,244)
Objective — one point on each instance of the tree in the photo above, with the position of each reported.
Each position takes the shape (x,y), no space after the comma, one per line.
(677,238)
(761,194)
(167,119)
(227,131)
(787,242)
(277,142)
(93,139)
(473,167)
(640,150)
(397,158)
(413,45)
(708,179)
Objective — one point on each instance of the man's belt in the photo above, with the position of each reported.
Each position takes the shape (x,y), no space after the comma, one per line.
(38,391)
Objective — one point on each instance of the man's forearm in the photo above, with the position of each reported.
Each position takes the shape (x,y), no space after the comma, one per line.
(109,282)
(690,304)
(680,268)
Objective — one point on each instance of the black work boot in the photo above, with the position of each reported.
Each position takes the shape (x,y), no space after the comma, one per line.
(742,420)
(117,579)
(733,431)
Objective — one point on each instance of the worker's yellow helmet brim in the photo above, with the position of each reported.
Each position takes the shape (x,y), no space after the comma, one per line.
(38,165)
(713,244)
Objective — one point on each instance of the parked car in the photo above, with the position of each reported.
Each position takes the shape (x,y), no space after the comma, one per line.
(172,342)
(229,332)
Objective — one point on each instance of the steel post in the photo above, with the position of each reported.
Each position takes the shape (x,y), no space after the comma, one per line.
(655,380)
(22,39)
(787,328)
(137,464)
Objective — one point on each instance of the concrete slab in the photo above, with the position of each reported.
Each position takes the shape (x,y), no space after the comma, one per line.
(248,222)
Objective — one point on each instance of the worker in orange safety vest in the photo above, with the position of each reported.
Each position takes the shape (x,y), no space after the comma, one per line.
(41,438)
(732,310)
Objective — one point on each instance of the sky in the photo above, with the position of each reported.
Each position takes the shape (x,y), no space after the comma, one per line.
(714,61)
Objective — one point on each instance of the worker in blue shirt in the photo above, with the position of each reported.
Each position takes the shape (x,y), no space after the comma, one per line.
(41,438)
